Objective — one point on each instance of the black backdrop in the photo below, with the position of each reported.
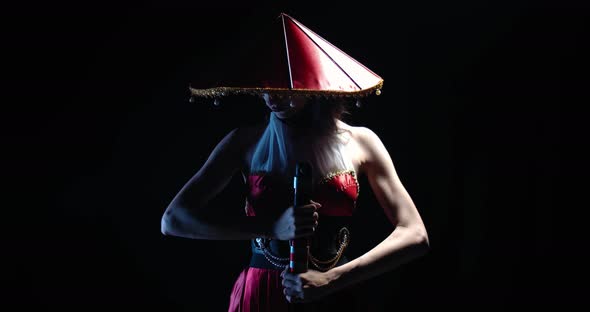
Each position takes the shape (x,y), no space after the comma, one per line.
(98,136)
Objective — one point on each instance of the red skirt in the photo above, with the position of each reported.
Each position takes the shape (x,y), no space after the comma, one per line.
(261,290)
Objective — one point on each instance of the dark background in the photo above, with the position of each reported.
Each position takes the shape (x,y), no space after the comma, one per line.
(480,112)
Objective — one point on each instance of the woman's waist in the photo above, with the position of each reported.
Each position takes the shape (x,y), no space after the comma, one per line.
(259,260)
(327,247)
(330,233)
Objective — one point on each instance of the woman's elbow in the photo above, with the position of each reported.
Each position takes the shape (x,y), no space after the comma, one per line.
(180,221)
(170,224)
(165,223)
(421,241)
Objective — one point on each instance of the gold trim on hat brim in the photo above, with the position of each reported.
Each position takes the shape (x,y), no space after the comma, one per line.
(225,91)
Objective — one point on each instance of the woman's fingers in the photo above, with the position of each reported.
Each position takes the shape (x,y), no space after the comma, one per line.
(292,295)
(304,231)
(312,205)
(307,210)
(305,219)
(305,222)
(291,282)
(304,211)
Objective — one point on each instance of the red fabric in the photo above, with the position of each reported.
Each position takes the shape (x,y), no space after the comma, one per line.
(258,289)
(311,68)
(267,195)
(318,64)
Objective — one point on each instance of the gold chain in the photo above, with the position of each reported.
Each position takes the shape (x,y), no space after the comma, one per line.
(343,237)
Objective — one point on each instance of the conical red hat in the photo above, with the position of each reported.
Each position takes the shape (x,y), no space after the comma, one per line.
(297,61)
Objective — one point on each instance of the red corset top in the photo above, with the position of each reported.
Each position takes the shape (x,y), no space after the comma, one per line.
(268,195)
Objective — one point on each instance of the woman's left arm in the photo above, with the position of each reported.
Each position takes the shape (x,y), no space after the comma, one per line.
(408,240)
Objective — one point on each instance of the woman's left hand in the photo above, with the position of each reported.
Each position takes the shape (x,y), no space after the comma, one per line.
(306,287)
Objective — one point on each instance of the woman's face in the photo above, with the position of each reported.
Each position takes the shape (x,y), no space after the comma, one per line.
(284,106)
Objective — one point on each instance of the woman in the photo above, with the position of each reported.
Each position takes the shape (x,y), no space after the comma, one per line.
(300,129)
(299,69)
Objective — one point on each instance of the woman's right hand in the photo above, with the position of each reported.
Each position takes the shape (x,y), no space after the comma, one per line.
(296,222)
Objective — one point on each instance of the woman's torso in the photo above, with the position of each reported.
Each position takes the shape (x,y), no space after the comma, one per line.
(269,194)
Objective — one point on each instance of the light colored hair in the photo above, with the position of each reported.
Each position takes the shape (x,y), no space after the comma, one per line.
(313,138)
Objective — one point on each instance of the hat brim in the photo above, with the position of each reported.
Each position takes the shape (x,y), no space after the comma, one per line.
(218,92)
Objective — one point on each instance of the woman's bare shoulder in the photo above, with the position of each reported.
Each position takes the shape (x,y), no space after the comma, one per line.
(244,140)
(360,134)
(366,145)
(238,140)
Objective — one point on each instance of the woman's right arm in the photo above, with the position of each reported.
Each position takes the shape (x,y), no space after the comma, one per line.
(186,215)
